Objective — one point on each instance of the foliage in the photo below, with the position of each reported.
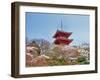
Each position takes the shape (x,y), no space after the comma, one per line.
(52,62)
(56,55)
(44,45)
(82,60)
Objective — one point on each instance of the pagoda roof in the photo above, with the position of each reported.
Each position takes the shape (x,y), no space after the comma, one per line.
(60,33)
(63,41)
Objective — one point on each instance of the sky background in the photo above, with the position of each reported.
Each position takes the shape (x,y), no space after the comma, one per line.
(44,26)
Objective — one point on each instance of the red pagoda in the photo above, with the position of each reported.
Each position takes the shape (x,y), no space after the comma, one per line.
(61,37)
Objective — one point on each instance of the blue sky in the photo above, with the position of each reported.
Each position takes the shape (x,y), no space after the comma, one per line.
(44,25)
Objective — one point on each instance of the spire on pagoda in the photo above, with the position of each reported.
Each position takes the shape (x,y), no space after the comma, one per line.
(61,37)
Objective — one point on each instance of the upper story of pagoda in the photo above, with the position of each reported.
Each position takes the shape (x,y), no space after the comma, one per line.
(62,34)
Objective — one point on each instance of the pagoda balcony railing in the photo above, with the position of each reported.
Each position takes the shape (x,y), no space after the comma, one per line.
(64,38)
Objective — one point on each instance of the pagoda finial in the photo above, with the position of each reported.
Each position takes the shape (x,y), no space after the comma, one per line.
(61,26)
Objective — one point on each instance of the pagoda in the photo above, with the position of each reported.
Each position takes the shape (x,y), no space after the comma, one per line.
(61,37)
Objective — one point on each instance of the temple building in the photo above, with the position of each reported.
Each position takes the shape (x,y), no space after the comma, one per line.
(61,37)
